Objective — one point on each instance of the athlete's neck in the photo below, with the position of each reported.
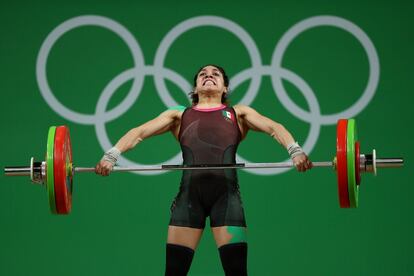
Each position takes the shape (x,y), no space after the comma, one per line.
(208,102)
(203,106)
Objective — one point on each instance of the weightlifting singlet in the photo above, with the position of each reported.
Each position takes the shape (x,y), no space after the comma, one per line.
(208,136)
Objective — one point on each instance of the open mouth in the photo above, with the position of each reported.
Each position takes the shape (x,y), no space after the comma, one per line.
(209,80)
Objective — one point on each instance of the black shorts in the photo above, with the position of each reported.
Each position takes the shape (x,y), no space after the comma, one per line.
(207,194)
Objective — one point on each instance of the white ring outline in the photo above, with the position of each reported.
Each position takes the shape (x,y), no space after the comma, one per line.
(106,95)
(341,23)
(89,20)
(202,21)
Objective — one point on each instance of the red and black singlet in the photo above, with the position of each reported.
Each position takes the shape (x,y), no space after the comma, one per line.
(208,136)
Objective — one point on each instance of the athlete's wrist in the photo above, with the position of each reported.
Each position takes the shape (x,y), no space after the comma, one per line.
(294,149)
(112,155)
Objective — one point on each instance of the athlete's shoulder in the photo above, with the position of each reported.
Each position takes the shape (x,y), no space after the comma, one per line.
(174,112)
(242,109)
(180,108)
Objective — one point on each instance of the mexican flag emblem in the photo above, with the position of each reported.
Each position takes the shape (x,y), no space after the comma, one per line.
(226,115)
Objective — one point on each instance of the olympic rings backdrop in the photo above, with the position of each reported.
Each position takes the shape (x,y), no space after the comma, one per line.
(103,68)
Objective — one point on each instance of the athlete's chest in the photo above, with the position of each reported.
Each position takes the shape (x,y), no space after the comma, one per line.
(218,127)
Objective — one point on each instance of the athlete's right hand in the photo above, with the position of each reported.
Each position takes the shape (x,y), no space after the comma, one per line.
(103,168)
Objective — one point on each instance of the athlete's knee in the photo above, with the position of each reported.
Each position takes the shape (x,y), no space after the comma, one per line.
(178,260)
(238,234)
(229,234)
(233,257)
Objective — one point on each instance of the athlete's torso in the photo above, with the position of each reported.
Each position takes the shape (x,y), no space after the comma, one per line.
(209,136)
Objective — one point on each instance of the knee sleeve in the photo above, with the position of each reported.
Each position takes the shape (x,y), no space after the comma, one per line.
(178,260)
(234,259)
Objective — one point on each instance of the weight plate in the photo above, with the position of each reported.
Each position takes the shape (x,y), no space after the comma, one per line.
(62,171)
(350,153)
(341,163)
(357,162)
(50,181)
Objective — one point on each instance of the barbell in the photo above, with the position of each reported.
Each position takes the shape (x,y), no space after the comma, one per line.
(57,171)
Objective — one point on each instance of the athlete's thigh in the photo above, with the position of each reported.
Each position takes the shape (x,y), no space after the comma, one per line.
(229,234)
(185,236)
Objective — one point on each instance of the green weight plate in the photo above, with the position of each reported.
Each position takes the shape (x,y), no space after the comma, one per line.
(350,156)
(358,162)
(50,180)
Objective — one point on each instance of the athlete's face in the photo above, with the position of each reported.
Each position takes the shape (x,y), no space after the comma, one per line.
(210,80)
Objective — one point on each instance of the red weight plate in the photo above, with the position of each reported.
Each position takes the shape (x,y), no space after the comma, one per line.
(341,162)
(357,163)
(62,170)
(68,168)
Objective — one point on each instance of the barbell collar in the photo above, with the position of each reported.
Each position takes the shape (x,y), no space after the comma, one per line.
(36,171)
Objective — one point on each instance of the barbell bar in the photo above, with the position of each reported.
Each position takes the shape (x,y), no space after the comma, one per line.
(57,171)
(38,167)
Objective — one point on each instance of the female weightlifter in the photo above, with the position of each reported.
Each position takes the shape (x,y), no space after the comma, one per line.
(209,132)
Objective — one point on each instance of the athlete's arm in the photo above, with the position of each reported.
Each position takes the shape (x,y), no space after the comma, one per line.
(250,119)
(159,125)
(166,121)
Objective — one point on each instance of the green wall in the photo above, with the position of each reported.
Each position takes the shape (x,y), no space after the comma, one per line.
(118,224)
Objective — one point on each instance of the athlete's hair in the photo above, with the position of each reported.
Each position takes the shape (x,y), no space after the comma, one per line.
(194,96)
